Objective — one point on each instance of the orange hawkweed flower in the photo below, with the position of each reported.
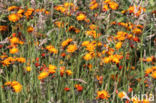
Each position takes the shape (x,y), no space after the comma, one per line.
(100,79)
(105,8)
(87,56)
(21,59)
(67,89)
(30,29)
(8,61)
(137,31)
(136,39)
(71,48)
(17,87)
(115,59)
(59,24)
(78,87)
(154,67)
(102,95)
(121,35)
(13,50)
(13,17)
(136,10)
(52,69)
(69,72)
(62,71)
(14,40)
(67,4)
(149,59)
(3,28)
(52,66)
(74,29)
(12,8)
(107,1)
(20,11)
(28,68)
(81,17)
(113,5)
(133,68)
(153,75)
(63,54)
(148,70)
(123,95)
(118,45)
(29,12)
(43,75)
(7,83)
(51,49)
(106,60)
(85,43)
(66,42)
(93,27)
(93,5)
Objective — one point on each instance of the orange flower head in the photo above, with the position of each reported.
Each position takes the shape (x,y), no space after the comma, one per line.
(148,70)
(105,7)
(20,11)
(93,5)
(67,89)
(51,49)
(71,48)
(30,29)
(14,50)
(69,72)
(7,83)
(121,94)
(149,59)
(62,71)
(153,75)
(87,57)
(17,87)
(59,24)
(3,28)
(13,17)
(73,29)
(93,27)
(52,69)
(81,17)
(79,87)
(106,60)
(107,1)
(43,75)
(28,69)
(102,95)
(85,43)
(137,31)
(118,45)
(66,42)
(115,59)
(154,67)
(113,5)
(12,8)
(14,40)
(21,59)
(68,4)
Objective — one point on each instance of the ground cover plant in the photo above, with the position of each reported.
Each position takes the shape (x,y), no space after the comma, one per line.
(77,51)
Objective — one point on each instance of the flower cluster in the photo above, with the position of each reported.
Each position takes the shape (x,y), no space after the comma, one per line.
(18,13)
(16,86)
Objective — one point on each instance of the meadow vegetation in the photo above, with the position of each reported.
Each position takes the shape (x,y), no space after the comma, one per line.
(77,51)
